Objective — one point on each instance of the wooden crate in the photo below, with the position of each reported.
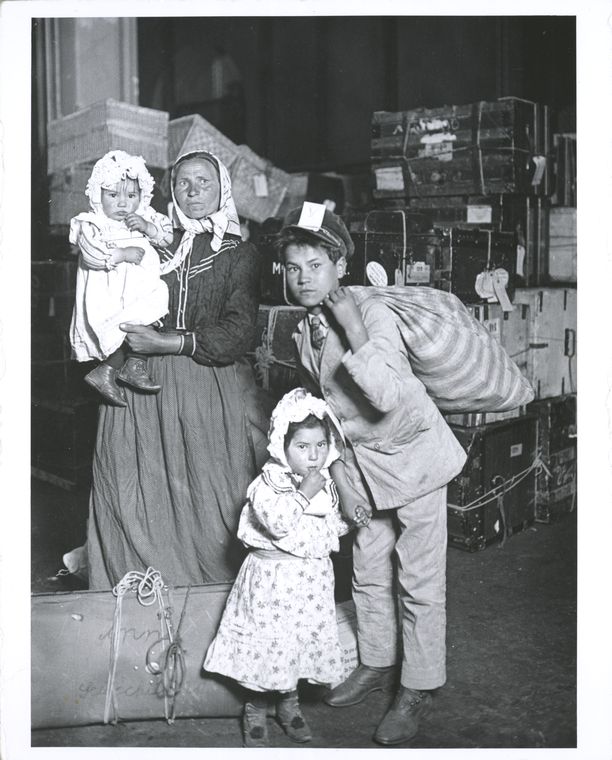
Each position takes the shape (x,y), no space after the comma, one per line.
(563,250)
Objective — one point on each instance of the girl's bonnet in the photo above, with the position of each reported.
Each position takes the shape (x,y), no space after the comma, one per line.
(114,167)
(295,406)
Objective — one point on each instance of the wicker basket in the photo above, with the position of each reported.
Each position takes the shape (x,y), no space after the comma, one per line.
(195,133)
(108,125)
(258,187)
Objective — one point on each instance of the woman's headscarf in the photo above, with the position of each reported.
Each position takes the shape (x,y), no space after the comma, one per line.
(114,167)
(224,220)
(295,406)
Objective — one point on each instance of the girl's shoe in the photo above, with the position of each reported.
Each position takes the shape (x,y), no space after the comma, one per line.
(291,719)
(102,378)
(255,726)
(135,373)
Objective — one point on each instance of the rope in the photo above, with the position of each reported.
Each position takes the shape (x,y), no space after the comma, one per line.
(148,587)
(506,485)
(264,356)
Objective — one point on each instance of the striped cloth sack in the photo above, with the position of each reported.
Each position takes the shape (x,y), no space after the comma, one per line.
(462,366)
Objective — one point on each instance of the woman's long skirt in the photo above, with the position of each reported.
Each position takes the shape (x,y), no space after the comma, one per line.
(170,475)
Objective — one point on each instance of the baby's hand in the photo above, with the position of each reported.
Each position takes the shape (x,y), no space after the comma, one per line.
(136,222)
(132,254)
(312,484)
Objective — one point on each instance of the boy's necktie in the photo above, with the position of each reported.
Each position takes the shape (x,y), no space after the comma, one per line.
(317,333)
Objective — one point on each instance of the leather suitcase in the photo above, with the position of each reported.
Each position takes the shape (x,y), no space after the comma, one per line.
(556,482)
(478,148)
(525,216)
(494,495)
(474,252)
(272,279)
(399,241)
(274,354)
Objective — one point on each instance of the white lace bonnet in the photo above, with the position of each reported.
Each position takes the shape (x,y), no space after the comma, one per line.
(295,406)
(114,167)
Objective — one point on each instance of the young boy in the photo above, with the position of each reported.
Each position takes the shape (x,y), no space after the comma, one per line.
(400,455)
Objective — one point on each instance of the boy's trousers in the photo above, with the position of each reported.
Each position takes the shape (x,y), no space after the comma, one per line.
(416,535)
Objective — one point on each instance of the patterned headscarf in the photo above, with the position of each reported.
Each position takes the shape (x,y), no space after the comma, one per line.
(224,220)
(295,406)
(114,167)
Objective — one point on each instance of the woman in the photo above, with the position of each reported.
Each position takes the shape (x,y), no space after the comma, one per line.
(171,471)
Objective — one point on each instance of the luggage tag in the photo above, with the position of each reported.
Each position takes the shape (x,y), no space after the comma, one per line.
(491,285)
(260,185)
(540,167)
(376,274)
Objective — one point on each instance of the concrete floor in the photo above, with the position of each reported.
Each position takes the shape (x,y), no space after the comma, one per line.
(511,651)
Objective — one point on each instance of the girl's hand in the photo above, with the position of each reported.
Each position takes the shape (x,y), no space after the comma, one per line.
(312,484)
(143,339)
(132,254)
(346,313)
(136,222)
(358,515)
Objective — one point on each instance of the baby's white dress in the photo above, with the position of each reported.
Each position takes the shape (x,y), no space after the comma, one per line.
(108,295)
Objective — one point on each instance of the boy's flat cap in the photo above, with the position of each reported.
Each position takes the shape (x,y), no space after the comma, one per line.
(330,229)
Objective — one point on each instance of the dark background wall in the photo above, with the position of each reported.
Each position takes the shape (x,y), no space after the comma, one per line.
(309,85)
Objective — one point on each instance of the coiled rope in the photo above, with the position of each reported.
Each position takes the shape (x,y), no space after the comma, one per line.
(148,587)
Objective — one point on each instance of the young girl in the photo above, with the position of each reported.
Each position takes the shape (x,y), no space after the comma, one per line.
(118,273)
(279,623)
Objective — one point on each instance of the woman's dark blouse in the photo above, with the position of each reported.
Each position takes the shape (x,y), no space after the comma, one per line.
(215,296)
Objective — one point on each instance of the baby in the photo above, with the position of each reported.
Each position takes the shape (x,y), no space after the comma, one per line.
(118,276)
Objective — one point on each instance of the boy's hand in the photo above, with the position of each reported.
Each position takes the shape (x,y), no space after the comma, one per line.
(312,484)
(136,222)
(346,313)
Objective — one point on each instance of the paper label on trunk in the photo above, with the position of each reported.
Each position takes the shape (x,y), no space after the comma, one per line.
(389,178)
(479,214)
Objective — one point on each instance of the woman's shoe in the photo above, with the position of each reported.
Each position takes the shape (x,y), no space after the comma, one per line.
(291,719)
(255,726)
(135,373)
(102,378)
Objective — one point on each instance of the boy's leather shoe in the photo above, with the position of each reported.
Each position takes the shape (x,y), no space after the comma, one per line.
(401,722)
(134,372)
(102,378)
(361,682)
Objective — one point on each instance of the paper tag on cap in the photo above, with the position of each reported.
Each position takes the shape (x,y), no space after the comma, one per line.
(312,216)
